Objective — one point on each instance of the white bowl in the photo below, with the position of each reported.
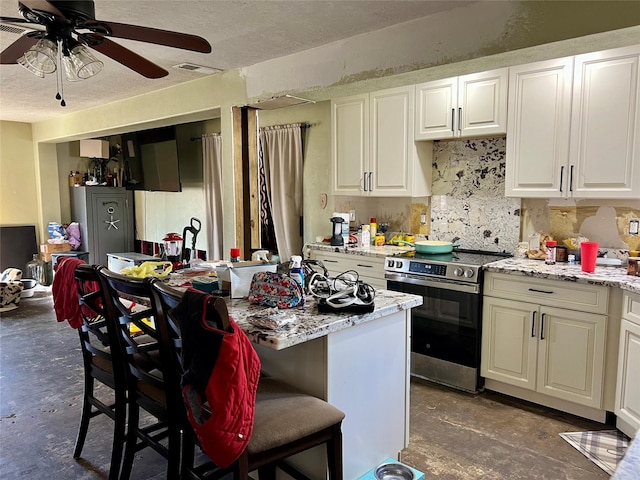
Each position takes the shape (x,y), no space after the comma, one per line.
(29,287)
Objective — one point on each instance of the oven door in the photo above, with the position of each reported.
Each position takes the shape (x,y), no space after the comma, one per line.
(447,324)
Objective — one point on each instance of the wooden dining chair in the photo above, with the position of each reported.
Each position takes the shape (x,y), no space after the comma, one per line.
(102,362)
(286,421)
(128,307)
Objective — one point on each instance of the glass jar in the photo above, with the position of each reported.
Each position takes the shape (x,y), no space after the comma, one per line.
(35,268)
(551,252)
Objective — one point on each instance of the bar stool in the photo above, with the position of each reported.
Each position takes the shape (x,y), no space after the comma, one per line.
(286,421)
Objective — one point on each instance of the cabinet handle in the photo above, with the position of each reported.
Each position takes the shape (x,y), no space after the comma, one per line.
(561,175)
(453,121)
(364,186)
(366,266)
(460,119)
(542,326)
(533,323)
(540,291)
(371,181)
(326,260)
(571,179)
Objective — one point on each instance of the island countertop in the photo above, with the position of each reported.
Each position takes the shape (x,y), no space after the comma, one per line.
(310,324)
(605,276)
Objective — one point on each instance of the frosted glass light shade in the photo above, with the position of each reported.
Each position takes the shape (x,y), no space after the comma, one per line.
(80,64)
(42,56)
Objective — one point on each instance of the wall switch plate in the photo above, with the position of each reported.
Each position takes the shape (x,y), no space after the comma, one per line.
(352,215)
(633,226)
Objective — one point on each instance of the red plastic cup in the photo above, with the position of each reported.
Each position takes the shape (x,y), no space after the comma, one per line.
(588,255)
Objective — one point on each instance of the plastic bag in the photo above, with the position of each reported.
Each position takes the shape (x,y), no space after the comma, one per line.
(148,269)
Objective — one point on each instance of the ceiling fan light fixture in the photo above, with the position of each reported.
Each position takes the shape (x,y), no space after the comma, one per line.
(42,56)
(22,61)
(83,62)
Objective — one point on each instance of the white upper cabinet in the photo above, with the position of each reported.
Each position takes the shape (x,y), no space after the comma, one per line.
(538,128)
(605,125)
(573,127)
(468,106)
(349,144)
(373,151)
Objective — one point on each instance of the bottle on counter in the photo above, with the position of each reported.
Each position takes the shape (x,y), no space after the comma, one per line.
(365,239)
(296,270)
(235,255)
(373,229)
(550,258)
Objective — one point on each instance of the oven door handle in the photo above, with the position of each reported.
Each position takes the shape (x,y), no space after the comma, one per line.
(425,282)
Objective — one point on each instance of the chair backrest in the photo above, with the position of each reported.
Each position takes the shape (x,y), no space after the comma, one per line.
(128,305)
(164,298)
(99,338)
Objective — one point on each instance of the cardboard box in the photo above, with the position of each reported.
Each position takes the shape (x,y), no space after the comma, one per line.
(237,277)
(46,249)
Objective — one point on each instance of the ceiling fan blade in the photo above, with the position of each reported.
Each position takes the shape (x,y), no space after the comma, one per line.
(43,6)
(13,52)
(168,38)
(123,55)
(13,20)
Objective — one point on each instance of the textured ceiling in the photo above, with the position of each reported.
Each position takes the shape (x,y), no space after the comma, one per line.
(242,33)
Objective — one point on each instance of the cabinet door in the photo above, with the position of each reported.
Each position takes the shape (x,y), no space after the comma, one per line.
(391,141)
(571,355)
(509,342)
(349,144)
(605,138)
(482,103)
(628,384)
(538,128)
(436,108)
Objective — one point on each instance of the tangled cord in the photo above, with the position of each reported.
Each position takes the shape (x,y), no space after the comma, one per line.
(341,291)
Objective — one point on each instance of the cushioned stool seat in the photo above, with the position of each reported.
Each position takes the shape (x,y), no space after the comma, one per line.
(284,415)
(10,289)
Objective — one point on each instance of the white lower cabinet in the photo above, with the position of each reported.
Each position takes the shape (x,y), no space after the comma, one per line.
(535,348)
(628,383)
(553,351)
(370,269)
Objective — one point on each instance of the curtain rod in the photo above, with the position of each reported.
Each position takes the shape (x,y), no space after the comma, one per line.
(213,134)
(288,125)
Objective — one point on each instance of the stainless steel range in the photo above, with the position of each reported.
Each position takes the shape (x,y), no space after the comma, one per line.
(446,328)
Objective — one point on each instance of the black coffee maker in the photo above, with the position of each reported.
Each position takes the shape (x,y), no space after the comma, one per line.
(336,233)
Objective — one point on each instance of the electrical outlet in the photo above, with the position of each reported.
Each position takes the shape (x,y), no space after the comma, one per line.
(633,226)
(352,215)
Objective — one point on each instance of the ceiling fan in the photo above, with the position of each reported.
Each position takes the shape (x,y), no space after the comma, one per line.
(63,31)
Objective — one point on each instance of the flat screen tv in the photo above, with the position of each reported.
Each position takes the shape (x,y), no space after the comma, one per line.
(151,160)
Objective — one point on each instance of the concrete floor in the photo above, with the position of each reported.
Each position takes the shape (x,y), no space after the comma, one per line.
(454,435)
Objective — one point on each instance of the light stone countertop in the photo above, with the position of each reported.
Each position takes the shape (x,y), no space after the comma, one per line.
(372,251)
(606,276)
(310,324)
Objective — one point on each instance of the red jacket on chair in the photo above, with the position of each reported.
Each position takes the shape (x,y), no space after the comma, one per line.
(65,291)
(221,367)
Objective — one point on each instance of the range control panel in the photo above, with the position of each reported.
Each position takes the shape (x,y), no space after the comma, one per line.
(451,271)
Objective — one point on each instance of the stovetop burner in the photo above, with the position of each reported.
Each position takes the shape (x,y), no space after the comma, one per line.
(463,256)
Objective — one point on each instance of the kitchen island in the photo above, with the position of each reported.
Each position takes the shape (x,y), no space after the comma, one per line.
(357,362)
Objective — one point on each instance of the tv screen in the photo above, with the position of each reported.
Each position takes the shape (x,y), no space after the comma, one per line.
(151,160)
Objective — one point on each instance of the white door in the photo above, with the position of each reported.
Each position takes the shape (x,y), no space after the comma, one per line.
(538,128)
(436,108)
(392,149)
(571,355)
(628,384)
(349,144)
(605,136)
(482,103)
(509,342)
